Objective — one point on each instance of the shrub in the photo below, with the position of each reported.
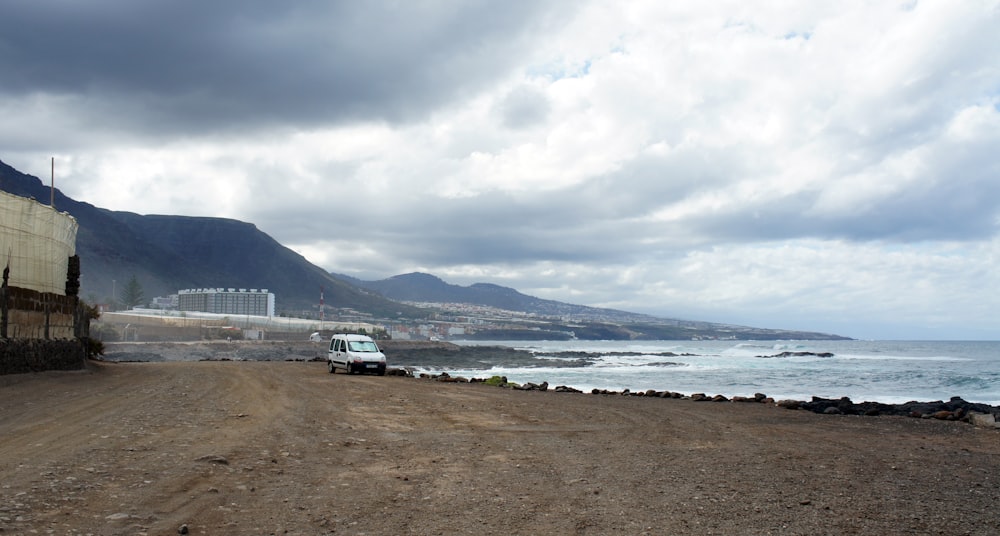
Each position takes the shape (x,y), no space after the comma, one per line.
(500,381)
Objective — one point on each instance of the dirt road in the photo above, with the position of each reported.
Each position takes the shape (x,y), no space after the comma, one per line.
(286,448)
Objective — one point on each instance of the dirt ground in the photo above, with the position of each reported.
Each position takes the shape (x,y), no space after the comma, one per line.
(243,447)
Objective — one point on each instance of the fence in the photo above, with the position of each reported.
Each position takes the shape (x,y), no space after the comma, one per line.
(36,243)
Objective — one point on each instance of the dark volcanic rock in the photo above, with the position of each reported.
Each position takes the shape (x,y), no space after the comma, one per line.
(449,355)
(954,409)
(453,356)
(798,354)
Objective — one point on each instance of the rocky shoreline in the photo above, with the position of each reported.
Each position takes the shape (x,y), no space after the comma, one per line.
(955,409)
(409,356)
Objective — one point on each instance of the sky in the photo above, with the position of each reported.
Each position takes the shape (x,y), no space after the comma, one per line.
(810,165)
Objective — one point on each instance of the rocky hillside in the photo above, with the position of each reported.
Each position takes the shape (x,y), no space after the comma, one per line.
(169,253)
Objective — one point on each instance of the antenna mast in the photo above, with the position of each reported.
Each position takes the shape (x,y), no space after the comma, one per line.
(52,190)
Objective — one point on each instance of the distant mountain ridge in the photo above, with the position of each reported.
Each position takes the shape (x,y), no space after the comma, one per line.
(422,287)
(563,319)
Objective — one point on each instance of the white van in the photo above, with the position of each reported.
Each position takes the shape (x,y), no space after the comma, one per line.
(355,354)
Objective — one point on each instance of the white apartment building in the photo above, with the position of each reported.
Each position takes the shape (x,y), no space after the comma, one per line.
(227,301)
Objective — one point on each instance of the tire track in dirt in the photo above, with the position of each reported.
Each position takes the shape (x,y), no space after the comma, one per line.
(286,448)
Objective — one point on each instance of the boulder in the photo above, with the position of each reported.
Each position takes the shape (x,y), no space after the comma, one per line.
(789,404)
(985,420)
(444,377)
(798,354)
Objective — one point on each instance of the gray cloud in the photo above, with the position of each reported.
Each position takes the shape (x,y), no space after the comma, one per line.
(663,158)
(524,107)
(204,67)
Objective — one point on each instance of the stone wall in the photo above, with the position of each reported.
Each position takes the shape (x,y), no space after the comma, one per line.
(41,331)
(29,314)
(18,356)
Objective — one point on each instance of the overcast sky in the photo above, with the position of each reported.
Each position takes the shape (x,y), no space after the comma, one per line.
(825,166)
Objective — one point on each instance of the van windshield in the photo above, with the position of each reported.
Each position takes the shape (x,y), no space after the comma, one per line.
(362,346)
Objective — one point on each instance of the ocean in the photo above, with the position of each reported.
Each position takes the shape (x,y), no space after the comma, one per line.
(891,372)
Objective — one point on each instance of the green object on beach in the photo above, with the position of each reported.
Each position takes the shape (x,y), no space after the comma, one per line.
(499,381)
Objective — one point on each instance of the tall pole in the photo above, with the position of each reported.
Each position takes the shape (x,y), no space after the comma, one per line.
(52,191)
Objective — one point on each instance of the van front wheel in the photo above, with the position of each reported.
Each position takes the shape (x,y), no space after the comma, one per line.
(330,366)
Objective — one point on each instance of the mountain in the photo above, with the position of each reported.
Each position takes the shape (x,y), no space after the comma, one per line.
(169,253)
(420,287)
(552,319)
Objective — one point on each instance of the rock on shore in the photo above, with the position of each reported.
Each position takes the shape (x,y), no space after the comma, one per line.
(404,355)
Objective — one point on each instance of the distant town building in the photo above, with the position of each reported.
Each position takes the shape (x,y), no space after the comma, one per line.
(164,302)
(227,301)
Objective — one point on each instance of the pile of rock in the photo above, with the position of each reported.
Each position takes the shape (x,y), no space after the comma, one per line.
(653,393)
(955,409)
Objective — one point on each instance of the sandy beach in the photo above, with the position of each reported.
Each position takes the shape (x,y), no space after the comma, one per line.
(286,448)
